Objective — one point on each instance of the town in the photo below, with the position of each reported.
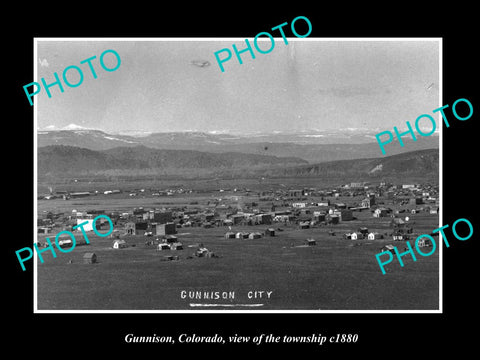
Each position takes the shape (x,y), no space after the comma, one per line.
(301,208)
(177,225)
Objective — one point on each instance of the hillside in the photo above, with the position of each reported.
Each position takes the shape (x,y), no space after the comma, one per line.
(66,161)
(62,160)
(415,163)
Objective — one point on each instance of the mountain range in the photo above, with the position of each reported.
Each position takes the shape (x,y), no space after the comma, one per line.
(313,146)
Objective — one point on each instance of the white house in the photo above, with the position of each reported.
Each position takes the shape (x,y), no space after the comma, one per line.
(119,244)
(86,227)
(299,205)
(354,236)
(374,236)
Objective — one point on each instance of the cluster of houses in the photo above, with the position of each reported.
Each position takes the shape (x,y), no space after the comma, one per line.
(293,209)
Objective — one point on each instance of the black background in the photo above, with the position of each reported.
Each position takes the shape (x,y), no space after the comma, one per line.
(60,335)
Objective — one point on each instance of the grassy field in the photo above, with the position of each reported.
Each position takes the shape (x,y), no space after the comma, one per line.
(336,274)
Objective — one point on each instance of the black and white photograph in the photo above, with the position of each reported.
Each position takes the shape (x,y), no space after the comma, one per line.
(226,175)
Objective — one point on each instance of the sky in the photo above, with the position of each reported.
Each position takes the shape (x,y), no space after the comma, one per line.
(311,83)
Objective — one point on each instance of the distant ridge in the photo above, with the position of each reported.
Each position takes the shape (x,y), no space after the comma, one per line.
(315,146)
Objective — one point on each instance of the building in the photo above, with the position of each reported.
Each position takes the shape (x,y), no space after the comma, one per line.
(89,258)
(129,228)
(295,193)
(334,219)
(170,239)
(381,212)
(374,236)
(255,235)
(397,237)
(176,246)
(119,244)
(270,232)
(311,242)
(266,219)
(163,246)
(388,248)
(241,235)
(237,219)
(397,223)
(86,227)
(418,200)
(166,229)
(354,236)
(162,217)
(304,225)
(422,242)
(346,214)
(230,235)
(141,227)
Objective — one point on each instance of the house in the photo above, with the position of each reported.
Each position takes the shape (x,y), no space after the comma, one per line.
(422,242)
(397,237)
(340,206)
(397,223)
(346,214)
(381,212)
(44,230)
(418,200)
(89,258)
(166,229)
(230,235)
(170,239)
(299,204)
(87,227)
(255,235)
(141,227)
(304,225)
(266,219)
(388,248)
(241,235)
(434,210)
(295,193)
(374,236)
(371,197)
(354,236)
(363,230)
(176,246)
(366,203)
(163,246)
(237,219)
(119,244)
(227,222)
(334,219)
(311,242)
(270,232)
